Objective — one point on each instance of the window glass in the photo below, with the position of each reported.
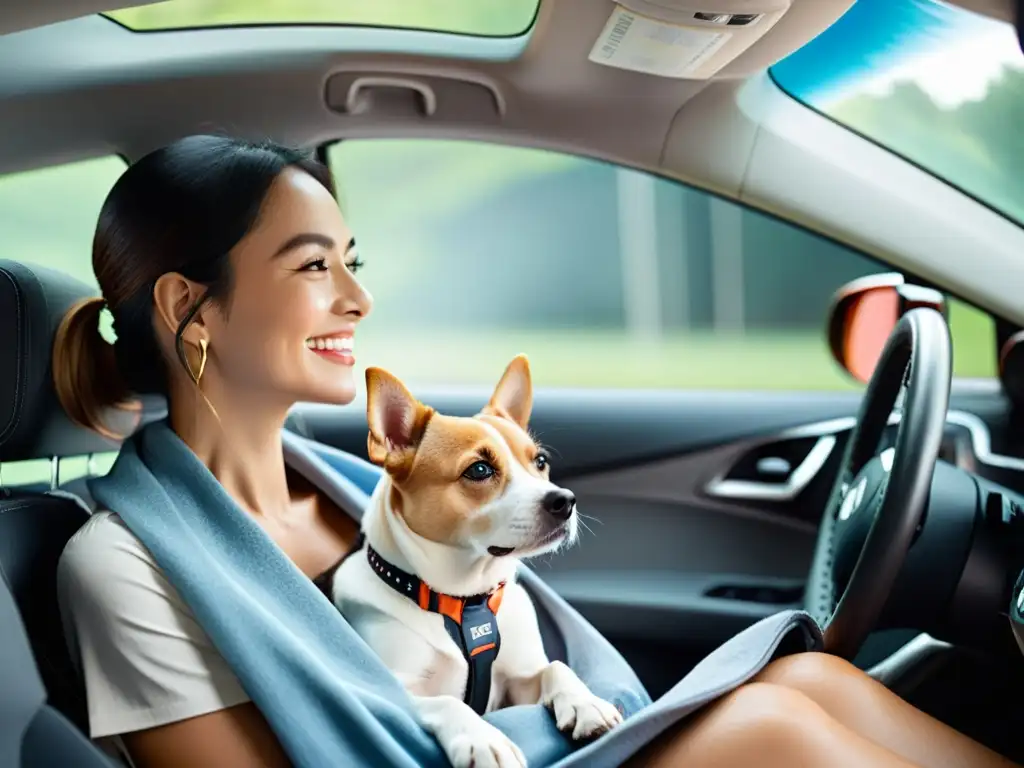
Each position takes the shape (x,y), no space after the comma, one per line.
(487,18)
(937,84)
(48,218)
(605,277)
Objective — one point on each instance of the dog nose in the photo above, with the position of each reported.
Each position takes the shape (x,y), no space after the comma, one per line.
(559,504)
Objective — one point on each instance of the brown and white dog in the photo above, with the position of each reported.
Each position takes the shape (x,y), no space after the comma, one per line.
(433,591)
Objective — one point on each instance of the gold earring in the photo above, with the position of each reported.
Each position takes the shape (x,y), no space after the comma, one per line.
(203,343)
(197,377)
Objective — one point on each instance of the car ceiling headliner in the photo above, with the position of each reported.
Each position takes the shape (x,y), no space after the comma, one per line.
(86,85)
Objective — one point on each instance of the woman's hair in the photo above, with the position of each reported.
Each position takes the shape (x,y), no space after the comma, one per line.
(179,209)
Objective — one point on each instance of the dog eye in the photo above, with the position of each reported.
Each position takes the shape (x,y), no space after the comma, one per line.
(541,461)
(478,470)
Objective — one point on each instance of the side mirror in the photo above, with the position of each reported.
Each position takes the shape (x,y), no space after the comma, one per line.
(865,312)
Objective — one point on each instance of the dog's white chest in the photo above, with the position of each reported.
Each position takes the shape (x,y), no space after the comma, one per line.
(412,642)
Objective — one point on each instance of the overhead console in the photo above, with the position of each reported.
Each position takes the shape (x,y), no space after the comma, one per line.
(690,39)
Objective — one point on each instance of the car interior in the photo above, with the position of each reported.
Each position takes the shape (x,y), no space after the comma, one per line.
(707,503)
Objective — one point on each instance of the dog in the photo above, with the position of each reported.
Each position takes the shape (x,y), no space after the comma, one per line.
(433,589)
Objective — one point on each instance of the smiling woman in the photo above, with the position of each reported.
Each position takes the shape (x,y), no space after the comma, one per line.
(501,18)
(295,263)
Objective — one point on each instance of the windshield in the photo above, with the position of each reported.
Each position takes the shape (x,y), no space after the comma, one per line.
(941,86)
(498,18)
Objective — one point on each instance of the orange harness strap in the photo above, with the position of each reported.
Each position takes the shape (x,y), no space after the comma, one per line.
(471,622)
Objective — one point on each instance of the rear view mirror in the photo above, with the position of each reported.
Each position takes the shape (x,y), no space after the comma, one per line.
(864,314)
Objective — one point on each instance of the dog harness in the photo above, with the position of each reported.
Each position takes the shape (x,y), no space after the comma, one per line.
(471,622)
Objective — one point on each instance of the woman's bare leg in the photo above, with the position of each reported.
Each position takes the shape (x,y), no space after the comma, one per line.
(864,705)
(768,726)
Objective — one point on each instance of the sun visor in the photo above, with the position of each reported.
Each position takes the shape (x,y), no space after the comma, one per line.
(687,39)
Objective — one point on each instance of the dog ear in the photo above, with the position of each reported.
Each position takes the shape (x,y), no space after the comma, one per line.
(397,420)
(513,397)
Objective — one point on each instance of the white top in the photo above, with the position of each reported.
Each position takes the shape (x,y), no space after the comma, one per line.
(144,659)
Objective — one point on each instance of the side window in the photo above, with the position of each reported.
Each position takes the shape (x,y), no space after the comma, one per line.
(604,276)
(48,217)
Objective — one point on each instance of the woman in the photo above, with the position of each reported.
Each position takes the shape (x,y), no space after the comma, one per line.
(223,264)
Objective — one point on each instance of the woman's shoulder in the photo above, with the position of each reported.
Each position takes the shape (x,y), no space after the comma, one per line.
(145,659)
(103,544)
(104,566)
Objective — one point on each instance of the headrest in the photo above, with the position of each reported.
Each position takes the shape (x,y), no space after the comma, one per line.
(33,301)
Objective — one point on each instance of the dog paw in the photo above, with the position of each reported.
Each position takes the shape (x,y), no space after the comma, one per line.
(584,716)
(484,747)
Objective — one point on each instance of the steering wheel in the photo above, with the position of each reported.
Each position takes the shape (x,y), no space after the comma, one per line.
(892,488)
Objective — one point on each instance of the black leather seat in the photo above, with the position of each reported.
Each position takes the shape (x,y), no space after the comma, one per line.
(42,707)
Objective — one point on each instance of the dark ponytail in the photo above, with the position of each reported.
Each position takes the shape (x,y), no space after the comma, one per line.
(85,372)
